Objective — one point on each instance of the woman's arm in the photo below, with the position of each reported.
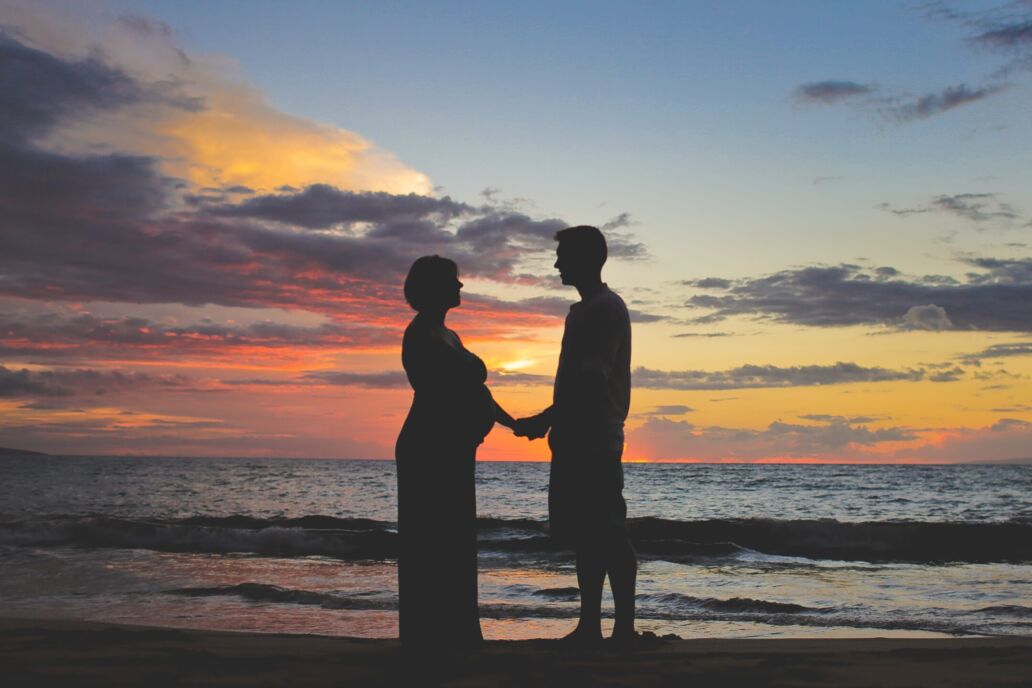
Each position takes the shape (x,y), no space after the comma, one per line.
(503,417)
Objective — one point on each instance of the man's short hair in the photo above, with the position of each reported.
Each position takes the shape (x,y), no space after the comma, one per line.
(587,241)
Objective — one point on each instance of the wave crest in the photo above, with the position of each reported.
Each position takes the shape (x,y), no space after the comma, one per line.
(666,607)
(356,539)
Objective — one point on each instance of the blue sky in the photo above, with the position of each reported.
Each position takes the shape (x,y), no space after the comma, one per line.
(679,113)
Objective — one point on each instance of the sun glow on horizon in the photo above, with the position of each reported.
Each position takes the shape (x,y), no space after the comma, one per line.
(512,366)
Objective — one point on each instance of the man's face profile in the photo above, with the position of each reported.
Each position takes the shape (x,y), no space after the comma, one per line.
(565,264)
(575,264)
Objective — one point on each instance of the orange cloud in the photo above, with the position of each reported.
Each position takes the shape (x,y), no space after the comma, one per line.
(233,136)
(238,139)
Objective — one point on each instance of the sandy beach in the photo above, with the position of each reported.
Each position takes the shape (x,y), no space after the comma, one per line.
(77,653)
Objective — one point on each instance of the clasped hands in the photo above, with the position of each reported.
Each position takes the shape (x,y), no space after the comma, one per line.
(532,427)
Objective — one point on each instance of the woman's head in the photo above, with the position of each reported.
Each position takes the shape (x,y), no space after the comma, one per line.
(433,284)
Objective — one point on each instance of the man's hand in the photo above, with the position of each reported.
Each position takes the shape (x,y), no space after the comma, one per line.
(533,427)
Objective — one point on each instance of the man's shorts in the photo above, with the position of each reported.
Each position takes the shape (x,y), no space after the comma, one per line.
(585,497)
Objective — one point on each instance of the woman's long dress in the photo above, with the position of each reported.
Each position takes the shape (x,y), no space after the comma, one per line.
(452,411)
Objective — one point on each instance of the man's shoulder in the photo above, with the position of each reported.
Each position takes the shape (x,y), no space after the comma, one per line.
(612,296)
(608,301)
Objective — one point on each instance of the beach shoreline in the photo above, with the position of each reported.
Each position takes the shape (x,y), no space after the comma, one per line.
(45,652)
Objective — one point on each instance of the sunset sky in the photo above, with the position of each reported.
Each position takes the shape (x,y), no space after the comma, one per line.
(819,214)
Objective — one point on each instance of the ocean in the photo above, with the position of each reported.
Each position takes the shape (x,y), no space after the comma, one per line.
(726,550)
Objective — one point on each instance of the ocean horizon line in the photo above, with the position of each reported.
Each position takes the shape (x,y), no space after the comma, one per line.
(6,452)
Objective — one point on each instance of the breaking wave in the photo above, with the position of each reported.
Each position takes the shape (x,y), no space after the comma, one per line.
(260,592)
(366,539)
(667,607)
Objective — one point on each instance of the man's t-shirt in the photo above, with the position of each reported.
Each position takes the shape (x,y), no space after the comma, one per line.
(592,391)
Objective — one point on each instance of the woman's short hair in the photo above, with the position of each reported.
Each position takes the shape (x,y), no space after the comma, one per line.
(427,279)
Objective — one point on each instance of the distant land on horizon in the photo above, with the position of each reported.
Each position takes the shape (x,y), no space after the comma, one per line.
(8,451)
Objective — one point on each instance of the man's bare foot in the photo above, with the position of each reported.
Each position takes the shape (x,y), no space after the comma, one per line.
(583,638)
(624,641)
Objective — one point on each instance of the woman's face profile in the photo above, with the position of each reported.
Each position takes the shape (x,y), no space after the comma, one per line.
(446,288)
(454,287)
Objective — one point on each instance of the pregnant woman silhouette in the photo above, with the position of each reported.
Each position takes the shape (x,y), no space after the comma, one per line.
(452,411)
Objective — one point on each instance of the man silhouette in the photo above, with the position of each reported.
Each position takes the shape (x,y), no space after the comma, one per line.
(592,393)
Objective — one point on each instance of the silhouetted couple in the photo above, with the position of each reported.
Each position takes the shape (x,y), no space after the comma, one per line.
(453,410)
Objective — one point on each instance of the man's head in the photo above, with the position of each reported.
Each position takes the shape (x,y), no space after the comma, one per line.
(580,255)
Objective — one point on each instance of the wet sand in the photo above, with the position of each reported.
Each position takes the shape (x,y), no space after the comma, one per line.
(79,653)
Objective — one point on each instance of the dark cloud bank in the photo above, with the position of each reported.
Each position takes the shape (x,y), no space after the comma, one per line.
(995,351)
(831,91)
(900,109)
(995,296)
(742,377)
(59,336)
(770,376)
(113,227)
(976,207)
(935,103)
(27,383)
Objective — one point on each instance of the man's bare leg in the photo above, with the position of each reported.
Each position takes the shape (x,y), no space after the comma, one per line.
(590,578)
(622,565)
